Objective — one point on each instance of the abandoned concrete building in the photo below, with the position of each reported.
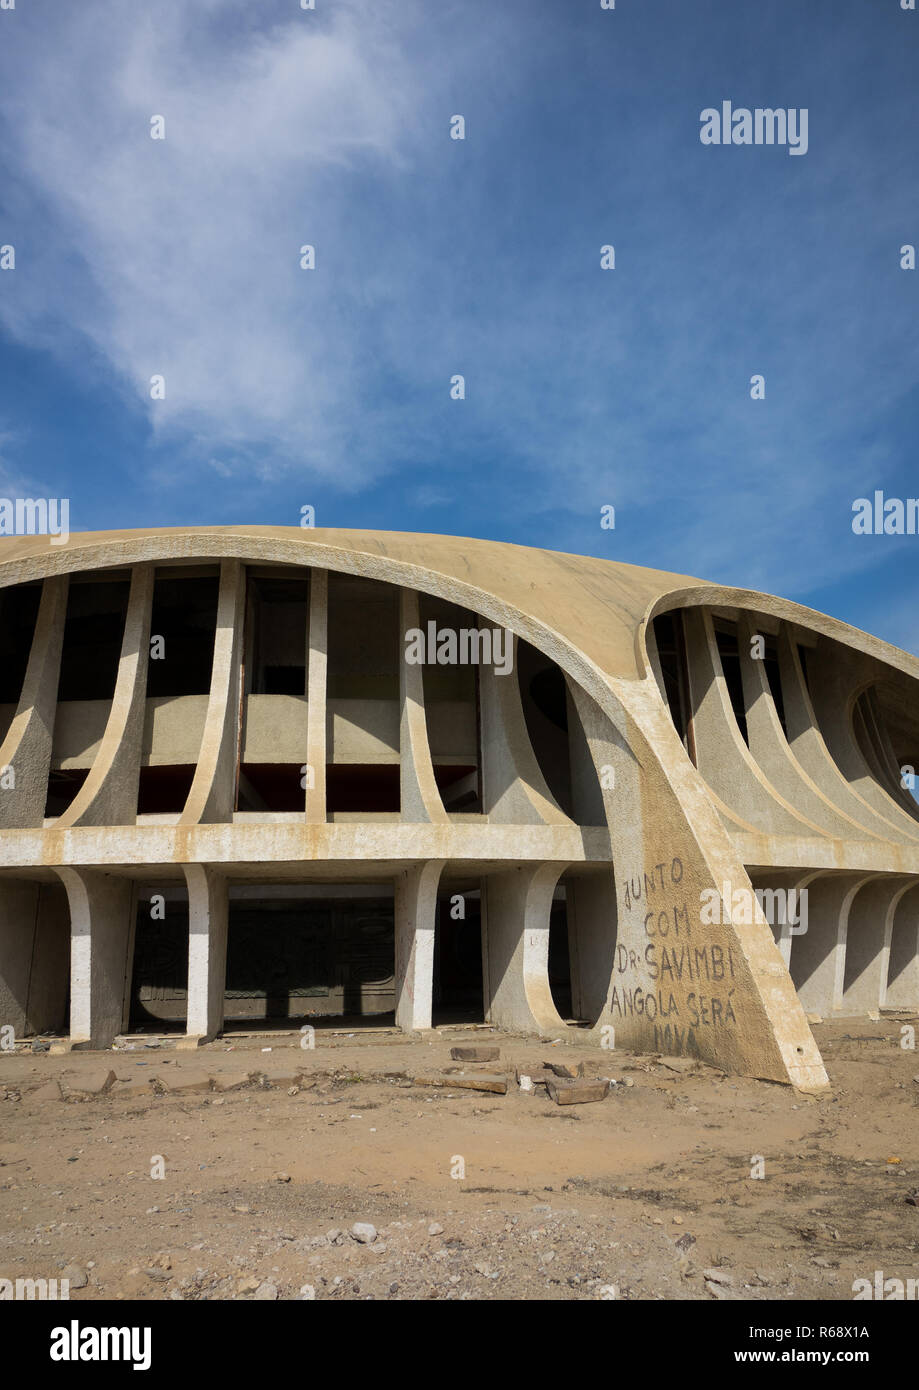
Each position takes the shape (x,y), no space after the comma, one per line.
(228,798)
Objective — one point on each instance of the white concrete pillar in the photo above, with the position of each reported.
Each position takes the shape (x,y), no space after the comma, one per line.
(207,951)
(415,924)
(101,941)
(517,904)
(317,696)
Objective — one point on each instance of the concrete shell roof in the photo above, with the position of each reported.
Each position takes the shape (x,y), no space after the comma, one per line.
(600,607)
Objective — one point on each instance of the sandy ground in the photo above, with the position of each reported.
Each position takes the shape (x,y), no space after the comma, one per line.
(648,1194)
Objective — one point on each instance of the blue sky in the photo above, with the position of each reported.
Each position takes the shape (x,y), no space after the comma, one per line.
(331,387)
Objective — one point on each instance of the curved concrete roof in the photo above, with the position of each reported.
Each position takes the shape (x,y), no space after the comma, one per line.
(601,607)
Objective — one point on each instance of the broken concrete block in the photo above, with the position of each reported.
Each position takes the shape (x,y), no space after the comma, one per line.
(186,1083)
(136,1086)
(477,1082)
(578,1091)
(680,1064)
(565,1069)
(475,1054)
(233,1081)
(50,1090)
(538,1075)
(93,1083)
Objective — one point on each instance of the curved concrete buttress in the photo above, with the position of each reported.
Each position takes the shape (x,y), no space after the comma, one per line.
(518,906)
(420,798)
(724,760)
(833,685)
(866,944)
(109,794)
(317,697)
(27,746)
(415,925)
(212,790)
(513,788)
(769,747)
(809,747)
(901,983)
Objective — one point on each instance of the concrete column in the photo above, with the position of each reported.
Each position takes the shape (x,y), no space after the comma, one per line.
(902,985)
(317,695)
(109,794)
(513,787)
(27,746)
(207,951)
(818,956)
(420,798)
(866,945)
(415,922)
(101,937)
(591,941)
(213,789)
(517,905)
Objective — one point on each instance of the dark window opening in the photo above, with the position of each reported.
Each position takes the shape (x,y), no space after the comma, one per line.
(163,790)
(668,636)
(559,958)
(159,980)
(271,787)
(279,614)
(93,634)
(63,785)
(185,616)
(544,694)
(458,994)
(363,787)
(18,611)
(458,786)
(730,665)
(773,676)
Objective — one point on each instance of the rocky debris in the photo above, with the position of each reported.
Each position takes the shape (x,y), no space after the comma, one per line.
(363,1232)
(435,1229)
(577,1092)
(235,1081)
(75,1276)
(282,1177)
(679,1064)
(266,1293)
(141,1086)
(475,1054)
(718,1276)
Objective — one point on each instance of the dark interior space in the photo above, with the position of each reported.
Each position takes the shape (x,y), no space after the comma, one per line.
(278,619)
(162,790)
(363,787)
(270,787)
(63,785)
(185,616)
(93,634)
(18,611)
(458,994)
